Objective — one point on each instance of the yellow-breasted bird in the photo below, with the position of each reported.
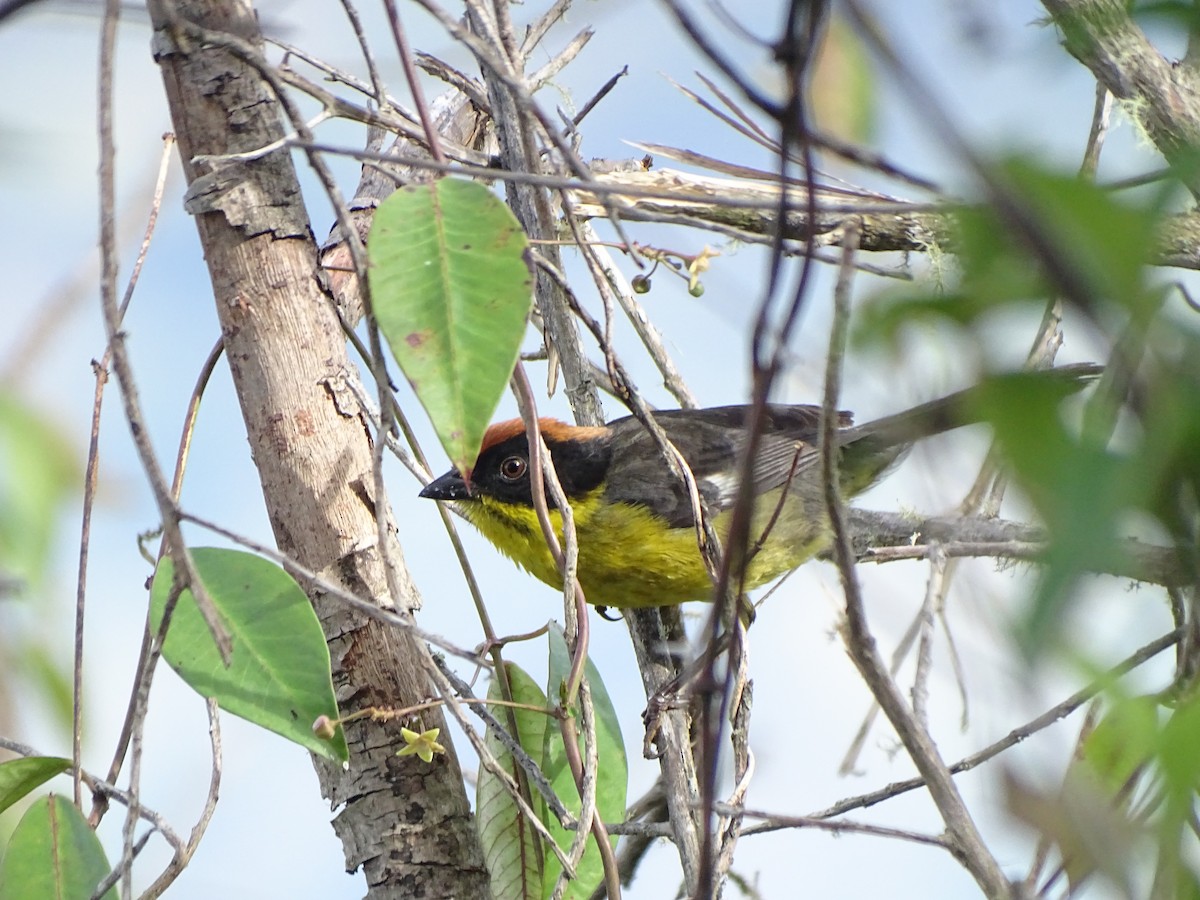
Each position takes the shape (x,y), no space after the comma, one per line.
(633,517)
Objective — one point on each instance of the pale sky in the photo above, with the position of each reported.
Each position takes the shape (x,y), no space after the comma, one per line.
(1003,80)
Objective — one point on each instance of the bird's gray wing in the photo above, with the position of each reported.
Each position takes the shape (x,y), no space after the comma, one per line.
(712,441)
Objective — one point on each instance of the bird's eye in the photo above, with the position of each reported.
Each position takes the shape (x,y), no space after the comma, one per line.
(513,468)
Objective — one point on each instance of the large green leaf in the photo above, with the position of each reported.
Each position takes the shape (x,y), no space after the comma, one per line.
(279,674)
(53,854)
(20,776)
(612,776)
(511,849)
(451,290)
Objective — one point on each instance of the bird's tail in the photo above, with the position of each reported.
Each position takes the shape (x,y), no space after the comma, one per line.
(871,449)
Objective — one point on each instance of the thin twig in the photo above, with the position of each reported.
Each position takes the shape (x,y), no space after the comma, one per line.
(314,582)
(650,336)
(598,96)
(512,744)
(934,591)
(99,786)
(566,557)
(432,138)
(776,822)
(561,59)
(92,469)
(364,46)
(184,855)
(145,656)
(1018,734)
(720,59)
(967,843)
(535,32)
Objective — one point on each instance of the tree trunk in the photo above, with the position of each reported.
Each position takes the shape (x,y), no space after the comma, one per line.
(406,822)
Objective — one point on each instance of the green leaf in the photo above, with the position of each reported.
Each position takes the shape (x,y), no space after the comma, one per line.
(1165,463)
(1104,242)
(37,472)
(1060,473)
(612,774)
(511,848)
(20,776)
(1051,230)
(53,854)
(842,84)
(1178,755)
(1123,741)
(451,290)
(1059,470)
(1092,834)
(279,675)
(1179,767)
(49,675)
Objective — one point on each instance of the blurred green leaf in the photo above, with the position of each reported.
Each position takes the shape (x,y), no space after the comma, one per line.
(512,850)
(38,470)
(1087,492)
(279,674)
(1124,741)
(451,290)
(1079,488)
(612,770)
(1081,821)
(843,85)
(1058,470)
(1104,241)
(35,661)
(1166,460)
(1133,789)
(1052,236)
(1050,230)
(20,776)
(1179,756)
(53,854)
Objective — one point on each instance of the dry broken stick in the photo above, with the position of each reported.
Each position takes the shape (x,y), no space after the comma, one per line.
(747,210)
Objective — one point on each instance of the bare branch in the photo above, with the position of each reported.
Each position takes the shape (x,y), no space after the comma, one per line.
(1165,98)
(967,843)
(884,536)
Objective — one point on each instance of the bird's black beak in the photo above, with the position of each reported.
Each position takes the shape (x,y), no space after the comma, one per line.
(451,486)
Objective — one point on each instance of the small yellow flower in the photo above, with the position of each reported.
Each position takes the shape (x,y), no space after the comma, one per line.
(423,745)
(699,263)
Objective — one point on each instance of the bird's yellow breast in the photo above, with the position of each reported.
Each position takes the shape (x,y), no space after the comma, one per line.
(629,557)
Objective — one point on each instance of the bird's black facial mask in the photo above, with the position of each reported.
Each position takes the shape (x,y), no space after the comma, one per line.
(502,472)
